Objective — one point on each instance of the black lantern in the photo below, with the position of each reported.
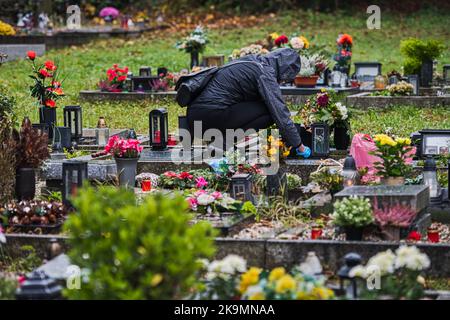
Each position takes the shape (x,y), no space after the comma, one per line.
(351,260)
(414,80)
(349,173)
(320,140)
(39,286)
(73,119)
(241,187)
(158,132)
(74,173)
(62,138)
(446,73)
(145,71)
(435,142)
(416,141)
(367,71)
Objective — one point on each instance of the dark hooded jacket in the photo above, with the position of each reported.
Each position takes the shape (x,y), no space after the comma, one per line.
(255,78)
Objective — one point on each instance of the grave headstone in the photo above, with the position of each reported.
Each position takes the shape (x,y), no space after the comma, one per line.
(19,51)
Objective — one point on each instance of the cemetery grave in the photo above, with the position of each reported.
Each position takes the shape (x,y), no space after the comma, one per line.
(76,178)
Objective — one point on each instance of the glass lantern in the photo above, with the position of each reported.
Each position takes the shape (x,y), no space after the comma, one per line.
(241,187)
(73,119)
(430,179)
(380,82)
(158,129)
(414,80)
(101,136)
(145,71)
(320,140)
(349,173)
(74,173)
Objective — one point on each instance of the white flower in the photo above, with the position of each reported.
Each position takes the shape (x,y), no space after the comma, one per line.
(384,261)
(253,291)
(411,258)
(237,262)
(358,271)
(205,199)
(297,43)
(342,110)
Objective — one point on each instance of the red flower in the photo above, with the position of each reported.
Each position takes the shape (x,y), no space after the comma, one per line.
(281,40)
(170,174)
(346,39)
(31,55)
(122,78)
(49,65)
(322,100)
(185,175)
(45,74)
(50,103)
(414,236)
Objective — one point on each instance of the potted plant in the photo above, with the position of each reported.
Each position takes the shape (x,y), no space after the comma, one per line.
(194,44)
(46,89)
(394,154)
(353,214)
(391,218)
(419,57)
(115,79)
(126,153)
(31,151)
(311,68)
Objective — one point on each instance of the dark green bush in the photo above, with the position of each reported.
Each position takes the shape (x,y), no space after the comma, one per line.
(417,51)
(131,251)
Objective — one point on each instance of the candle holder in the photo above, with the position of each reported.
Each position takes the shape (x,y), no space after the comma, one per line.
(158,129)
(146,185)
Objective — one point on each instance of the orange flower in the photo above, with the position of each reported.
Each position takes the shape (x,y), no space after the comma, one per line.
(58,91)
(345,39)
(50,103)
(49,65)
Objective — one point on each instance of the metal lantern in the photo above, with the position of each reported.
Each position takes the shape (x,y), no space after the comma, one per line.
(414,80)
(320,140)
(101,136)
(74,173)
(351,260)
(241,187)
(158,129)
(435,142)
(39,286)
(430,179)
(101,123)
(145,71)
(74,120)
(350,173)
(62,138)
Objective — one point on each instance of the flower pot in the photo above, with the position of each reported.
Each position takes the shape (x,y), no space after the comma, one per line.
(305,82)
(391,233)
(354,233)
(126,171)
(25,183)
(426,73)
(194,59)
(394,181)
(48,116)
(341,137)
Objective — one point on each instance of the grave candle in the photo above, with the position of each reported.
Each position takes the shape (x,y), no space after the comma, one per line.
(146,185)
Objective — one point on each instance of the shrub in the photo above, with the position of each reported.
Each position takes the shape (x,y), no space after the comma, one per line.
(32,147)
(417,51)
(135,252)
(352,212)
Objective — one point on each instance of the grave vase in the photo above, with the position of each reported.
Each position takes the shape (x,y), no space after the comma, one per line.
(341,136)
(194,59)
(25,183)
(354,233)
(126,171)
(48,116)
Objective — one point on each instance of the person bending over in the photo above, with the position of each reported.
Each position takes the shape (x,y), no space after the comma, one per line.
(245,94)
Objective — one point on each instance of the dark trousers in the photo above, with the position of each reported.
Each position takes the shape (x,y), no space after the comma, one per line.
(244,115)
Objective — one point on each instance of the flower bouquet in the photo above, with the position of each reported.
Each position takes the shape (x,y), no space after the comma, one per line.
(245,51)
(115,79)
(206,201)
(343,55)
(194,44)
(296,42)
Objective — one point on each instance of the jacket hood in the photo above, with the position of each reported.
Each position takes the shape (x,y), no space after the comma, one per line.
(285,62)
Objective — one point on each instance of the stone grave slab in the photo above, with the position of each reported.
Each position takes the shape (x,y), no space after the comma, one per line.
(19,51)
(415,196)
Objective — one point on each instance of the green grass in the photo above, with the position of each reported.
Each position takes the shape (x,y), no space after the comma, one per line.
(84,65)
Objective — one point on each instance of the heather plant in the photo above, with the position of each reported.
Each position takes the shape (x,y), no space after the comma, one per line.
(31,146)
(394,215)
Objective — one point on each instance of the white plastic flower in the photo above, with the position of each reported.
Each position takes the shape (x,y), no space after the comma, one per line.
(236,262)
(384,261)
(411,258)
(358,271)
(297,43)
(342,110)
(205,199)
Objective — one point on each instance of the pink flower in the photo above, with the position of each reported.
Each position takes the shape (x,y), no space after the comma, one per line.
(170,174)
(192,203)
(217,195)
(201,182)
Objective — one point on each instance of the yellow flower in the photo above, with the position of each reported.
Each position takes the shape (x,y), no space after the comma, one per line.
(274,35)
(322,293)
(301,295)
(286,153)
(270,139)
(384,139)
(6,29)
(156,279)
(257,296)
(285,283)
(249,278)
(404,141)
(272,151)
(277,273)
(305,41)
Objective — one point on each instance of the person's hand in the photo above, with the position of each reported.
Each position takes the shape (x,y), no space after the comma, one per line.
(303,151)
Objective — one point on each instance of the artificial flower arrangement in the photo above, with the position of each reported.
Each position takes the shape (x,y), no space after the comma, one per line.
(400,273)
(344,51)
(276,148)
(323,107)
(46,93)
(212,201)
(182,180)
(353,212)
(395,156)
(296,42)
(248,50)
(402,88)
(195,42)
(230,278)
(115,79)
(123,148)
(312,65)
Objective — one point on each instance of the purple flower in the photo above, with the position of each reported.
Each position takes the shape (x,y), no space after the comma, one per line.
(322,100)
(109,11)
